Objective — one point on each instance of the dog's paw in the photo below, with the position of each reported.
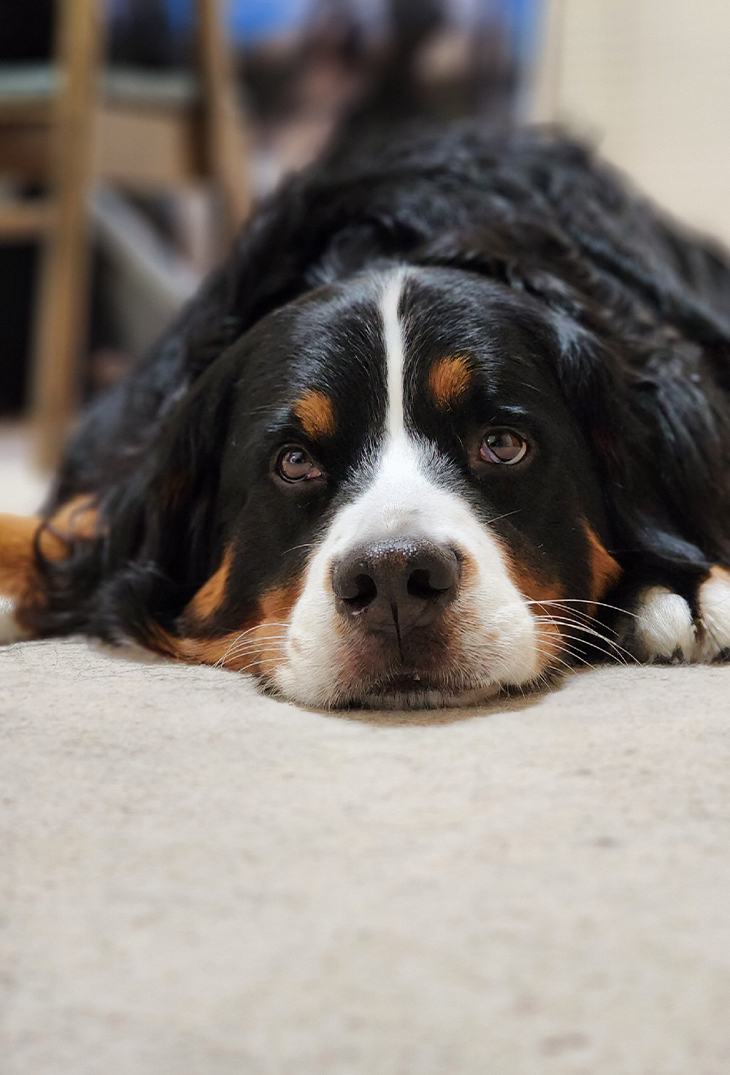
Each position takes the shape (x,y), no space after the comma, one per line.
(665,629)
(714,616)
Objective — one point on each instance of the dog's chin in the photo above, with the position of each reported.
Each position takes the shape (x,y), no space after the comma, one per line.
(413,692)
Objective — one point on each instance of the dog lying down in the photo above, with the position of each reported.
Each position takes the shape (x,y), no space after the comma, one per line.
(449,418)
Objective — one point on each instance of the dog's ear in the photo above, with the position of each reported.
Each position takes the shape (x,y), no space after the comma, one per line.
(164,530)
(659,436)
(156,534)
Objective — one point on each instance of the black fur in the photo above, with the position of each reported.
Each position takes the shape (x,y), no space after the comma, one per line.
(637,310)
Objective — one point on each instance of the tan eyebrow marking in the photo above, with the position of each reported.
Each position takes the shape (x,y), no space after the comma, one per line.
(316,413)
(449,379)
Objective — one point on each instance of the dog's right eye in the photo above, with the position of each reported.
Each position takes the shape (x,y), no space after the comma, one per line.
(295,464)
(503,446)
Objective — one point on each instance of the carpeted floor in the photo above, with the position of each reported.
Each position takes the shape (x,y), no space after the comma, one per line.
(197,880)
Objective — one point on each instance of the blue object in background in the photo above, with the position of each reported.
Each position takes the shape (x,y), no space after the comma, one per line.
(255,20)
(252,19)
(248,20)
(521,17)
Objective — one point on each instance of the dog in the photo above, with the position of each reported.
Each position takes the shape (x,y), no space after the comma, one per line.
(452,415)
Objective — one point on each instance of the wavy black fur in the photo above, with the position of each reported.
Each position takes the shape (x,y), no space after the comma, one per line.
(644,360)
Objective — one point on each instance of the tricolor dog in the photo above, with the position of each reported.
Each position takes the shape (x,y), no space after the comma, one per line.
(450,416)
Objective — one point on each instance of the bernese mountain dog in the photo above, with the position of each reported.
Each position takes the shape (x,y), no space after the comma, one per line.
(452,415)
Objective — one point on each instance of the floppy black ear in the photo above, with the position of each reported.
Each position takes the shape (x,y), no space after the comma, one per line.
(157,533)
(164,533)
(660,444)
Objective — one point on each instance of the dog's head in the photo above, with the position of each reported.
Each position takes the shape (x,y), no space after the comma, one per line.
(381,495)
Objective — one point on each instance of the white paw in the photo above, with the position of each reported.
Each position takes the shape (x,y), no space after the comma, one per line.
(664,628)
(10,629)
(714,602)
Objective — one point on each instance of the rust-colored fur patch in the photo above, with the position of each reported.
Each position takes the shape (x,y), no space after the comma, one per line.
(448,380)
(316,413)
(211,595)
(544,596)
(257,647)
(78,518)
(532,587)
(605,571)
(18,535)
(17,557)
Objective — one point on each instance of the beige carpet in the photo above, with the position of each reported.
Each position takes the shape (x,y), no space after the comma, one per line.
(197,880)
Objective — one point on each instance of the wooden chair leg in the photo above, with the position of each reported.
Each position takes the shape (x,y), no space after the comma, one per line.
(223,121)
(62,291)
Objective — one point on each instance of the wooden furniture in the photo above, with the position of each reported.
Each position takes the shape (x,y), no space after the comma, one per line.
(66,125)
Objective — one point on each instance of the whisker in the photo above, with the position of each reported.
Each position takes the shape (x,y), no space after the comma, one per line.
(564,648)
(604,645)
(236,655)
(567,648)
(554,657)
(582,601)
(584,629)
(505,516)
(239,644)
(258,663)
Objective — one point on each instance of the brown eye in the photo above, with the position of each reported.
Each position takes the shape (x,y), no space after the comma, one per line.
(503,446)
(296,465)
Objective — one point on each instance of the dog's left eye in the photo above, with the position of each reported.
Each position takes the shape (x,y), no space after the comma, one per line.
(503,446)
(294,464)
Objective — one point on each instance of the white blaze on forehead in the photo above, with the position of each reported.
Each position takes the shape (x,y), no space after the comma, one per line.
(394,354)
(403,498)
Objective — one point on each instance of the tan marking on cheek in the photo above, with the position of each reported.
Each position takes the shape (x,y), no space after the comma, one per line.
(530,585)
(605,571)
(544,596)
(211,595)
(448,380)
(269,635)
(316,413)
(258,647)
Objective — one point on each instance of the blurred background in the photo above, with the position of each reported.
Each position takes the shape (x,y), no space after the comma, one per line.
(135,135)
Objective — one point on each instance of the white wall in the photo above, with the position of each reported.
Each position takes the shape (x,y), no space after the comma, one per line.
(649,81)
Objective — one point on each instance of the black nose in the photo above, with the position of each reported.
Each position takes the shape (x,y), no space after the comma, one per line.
(396,586)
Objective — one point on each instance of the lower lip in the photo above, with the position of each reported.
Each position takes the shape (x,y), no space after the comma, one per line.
(406,684)
(407,692)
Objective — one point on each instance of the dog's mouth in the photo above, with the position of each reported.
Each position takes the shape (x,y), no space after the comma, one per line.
(417,691)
